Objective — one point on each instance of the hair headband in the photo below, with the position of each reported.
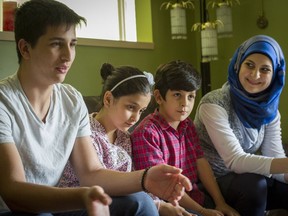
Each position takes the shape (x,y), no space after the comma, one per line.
(146,75)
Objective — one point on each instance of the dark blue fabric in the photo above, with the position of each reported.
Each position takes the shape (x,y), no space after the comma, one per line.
(277,195)
(255,110)
(252,194)
(246,193)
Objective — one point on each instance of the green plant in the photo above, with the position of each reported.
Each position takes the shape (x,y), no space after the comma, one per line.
(178,4)
(218,3)
(203,26)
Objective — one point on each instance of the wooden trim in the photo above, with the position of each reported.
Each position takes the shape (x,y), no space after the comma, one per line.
(9,36)
(6,36)
(118,44)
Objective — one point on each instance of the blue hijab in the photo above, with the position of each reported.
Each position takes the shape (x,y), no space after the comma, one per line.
(255,110)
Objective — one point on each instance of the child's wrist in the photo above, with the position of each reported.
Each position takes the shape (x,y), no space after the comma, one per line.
(143,178)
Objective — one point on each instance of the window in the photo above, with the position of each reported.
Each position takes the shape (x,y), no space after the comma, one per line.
(110,23)
(106,19)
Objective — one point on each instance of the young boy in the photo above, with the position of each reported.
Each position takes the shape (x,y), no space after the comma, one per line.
(168,136)
(44,123)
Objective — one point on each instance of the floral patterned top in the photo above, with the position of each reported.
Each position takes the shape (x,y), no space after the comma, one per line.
(116,156)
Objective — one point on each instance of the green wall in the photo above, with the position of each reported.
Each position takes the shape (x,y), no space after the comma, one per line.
(84,74)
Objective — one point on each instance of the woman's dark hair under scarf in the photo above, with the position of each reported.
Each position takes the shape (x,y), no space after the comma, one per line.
(255,110)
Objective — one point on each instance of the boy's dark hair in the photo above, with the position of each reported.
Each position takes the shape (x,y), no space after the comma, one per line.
(112,76)
(176,75)
(33,17)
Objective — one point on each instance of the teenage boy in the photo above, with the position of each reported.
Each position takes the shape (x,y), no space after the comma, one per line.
(44,123)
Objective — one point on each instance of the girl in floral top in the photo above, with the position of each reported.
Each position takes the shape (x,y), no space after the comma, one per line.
(125,95)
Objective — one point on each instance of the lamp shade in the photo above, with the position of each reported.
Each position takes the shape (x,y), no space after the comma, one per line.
(224,14)
(178,23)
(209,44)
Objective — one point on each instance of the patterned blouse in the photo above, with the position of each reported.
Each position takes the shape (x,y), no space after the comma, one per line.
(116,156)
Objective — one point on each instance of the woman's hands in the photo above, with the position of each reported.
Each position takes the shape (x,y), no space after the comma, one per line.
(219,211)
(227,210)
(210,212)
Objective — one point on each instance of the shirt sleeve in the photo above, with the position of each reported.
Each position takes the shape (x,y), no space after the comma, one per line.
(5,128)
(215,119)
(272,145)
(146,148)
(84,127)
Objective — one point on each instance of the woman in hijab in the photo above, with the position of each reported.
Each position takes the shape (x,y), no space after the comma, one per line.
(240,133)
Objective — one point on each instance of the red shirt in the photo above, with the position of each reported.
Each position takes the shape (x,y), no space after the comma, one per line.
(154,142)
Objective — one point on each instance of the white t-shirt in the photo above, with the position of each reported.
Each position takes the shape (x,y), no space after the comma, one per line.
(43,147)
